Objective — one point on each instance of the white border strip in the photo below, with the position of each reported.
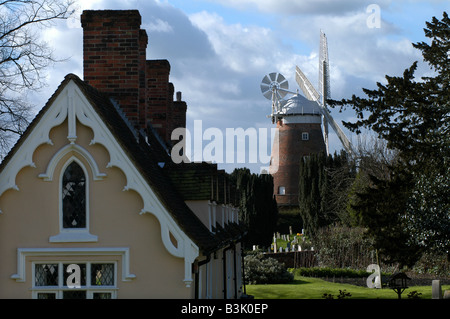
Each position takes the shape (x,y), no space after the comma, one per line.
(23,253)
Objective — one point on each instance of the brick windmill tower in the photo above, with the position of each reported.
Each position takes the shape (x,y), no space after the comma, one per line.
(302,126)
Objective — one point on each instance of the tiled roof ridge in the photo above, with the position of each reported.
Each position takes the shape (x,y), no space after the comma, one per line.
(143,157)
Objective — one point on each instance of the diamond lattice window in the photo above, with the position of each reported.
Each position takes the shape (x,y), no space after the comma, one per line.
(46,275)
(74,197)
(102,275)
(96,280)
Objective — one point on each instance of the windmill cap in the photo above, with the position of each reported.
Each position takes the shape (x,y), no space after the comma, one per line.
(299,105)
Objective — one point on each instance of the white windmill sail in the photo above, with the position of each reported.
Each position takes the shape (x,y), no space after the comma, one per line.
(324,69)
(339,132)
(306,86)
(324,82)
(312,94)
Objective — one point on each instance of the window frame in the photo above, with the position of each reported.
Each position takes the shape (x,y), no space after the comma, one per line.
(73,234)
(305,136)
(86,196)
(61,204)
(59,289)
(53,292)
(281,190)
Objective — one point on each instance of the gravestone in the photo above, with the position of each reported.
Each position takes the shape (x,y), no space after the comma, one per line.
(447,294)
(436,290)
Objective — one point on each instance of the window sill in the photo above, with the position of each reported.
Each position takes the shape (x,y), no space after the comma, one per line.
(73,237)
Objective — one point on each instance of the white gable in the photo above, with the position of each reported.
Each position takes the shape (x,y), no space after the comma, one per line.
(71,104)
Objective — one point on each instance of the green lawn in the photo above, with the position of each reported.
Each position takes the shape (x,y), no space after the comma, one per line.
(313,288)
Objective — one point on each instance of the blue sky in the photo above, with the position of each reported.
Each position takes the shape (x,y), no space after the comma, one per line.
(220,50)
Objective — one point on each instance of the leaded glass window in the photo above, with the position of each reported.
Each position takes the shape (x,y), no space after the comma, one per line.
(96,280)
(82,274)
(102,295)
(74,294)
(46,295)
(102,274)
(46,275)
(74,197)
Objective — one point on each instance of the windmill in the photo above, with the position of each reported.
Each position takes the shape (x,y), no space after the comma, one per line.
(274,86)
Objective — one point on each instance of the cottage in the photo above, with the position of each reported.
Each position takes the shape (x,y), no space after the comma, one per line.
(89,192)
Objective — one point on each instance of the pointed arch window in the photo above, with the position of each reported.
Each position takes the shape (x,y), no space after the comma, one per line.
(74,197)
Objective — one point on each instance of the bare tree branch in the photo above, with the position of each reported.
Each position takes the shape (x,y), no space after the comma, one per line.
(23,58)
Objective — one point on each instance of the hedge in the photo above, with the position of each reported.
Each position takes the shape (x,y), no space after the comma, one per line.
(330,272)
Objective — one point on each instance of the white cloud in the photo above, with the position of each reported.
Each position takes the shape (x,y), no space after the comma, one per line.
(218,65)
(298,7)
(359,55)
(241,48)
(159,26)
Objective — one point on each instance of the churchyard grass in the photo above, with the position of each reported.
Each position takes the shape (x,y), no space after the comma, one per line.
(314,288)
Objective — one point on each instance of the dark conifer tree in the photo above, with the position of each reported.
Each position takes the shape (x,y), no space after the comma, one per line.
(318,193)
(413,116)
(258,207)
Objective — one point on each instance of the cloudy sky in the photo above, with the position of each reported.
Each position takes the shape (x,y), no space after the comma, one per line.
(220,50)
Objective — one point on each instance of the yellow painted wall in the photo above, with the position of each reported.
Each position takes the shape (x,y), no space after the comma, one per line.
(30,216)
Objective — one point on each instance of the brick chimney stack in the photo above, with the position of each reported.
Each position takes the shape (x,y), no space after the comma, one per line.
(115,63)
(179,112)
(114,58)
(159,96)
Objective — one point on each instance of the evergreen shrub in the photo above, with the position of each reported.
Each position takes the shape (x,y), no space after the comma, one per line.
(265,270)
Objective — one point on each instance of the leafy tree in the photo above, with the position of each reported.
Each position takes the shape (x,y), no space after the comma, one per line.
(344,247)
(380,209)
(413,116)
(23,58)
(374,162)
(428,210)
(258,207)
